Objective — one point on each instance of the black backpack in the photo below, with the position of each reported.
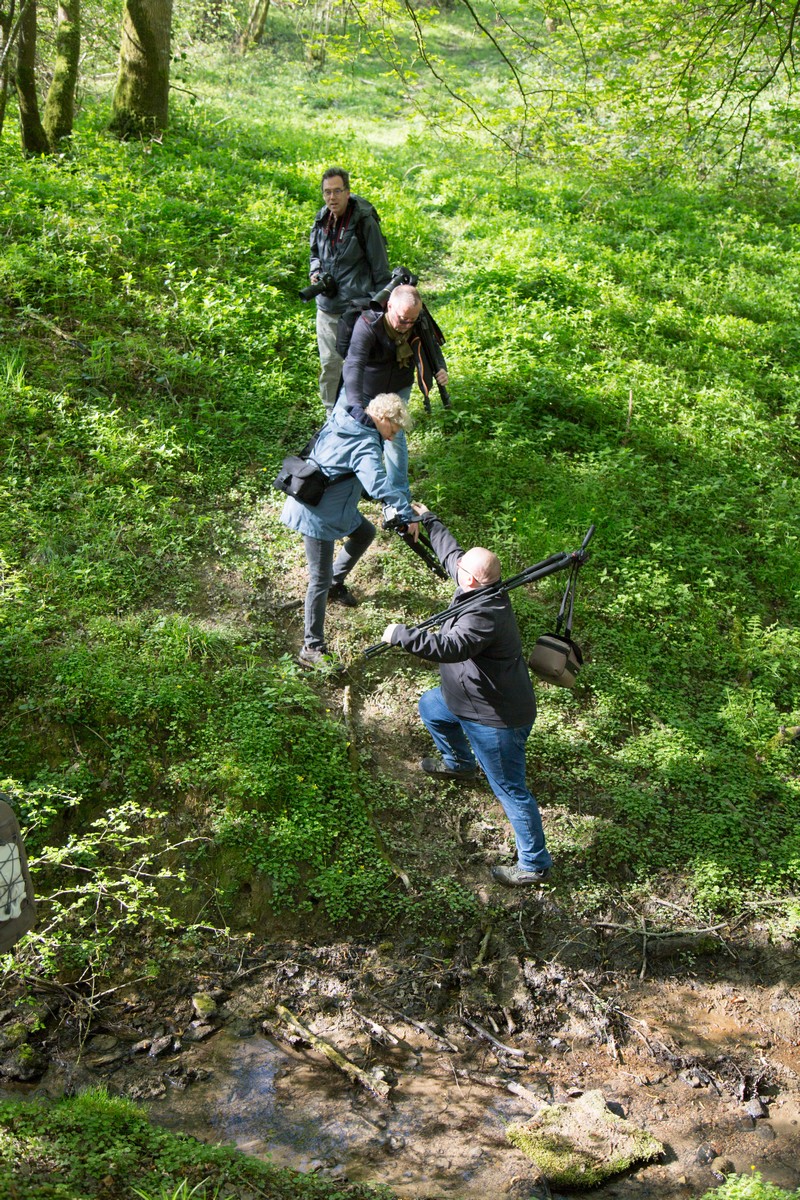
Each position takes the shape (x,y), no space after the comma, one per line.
(347,322)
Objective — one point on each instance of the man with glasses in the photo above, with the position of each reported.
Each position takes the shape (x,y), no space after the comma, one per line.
(347,244)
(484,709)
(381,358)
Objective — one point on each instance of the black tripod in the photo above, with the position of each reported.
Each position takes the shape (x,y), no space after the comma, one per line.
(422,546)
(548,566)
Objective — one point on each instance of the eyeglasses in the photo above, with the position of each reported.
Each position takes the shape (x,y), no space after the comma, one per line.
(329,193)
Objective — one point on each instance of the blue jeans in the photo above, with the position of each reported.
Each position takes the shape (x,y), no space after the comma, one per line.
(501,755)
(395,452)
(323,571)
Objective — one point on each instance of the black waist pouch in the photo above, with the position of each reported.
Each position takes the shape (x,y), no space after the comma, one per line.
(302,479)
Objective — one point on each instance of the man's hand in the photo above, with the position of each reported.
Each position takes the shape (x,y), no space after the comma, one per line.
(418,508)
(386,636)
(441,377)
(413,529)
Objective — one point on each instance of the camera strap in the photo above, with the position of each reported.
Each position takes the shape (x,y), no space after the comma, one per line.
(568,602)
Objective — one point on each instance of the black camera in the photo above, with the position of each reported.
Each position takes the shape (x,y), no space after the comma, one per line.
(393,520)
(324,286)
(399,275)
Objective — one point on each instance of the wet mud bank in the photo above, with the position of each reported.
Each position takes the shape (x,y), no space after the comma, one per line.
(450,1053)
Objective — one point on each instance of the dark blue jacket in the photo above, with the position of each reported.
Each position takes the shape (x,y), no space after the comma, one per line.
(371,365)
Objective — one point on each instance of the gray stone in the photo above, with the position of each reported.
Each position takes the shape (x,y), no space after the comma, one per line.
(705,1153)
(198,1032)
(765,1132)
(756,1108)
(24,1065)
(102,1043)
(722,1167)
(161,1045)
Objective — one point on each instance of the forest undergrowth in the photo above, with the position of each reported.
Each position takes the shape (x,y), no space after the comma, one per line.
(622,352)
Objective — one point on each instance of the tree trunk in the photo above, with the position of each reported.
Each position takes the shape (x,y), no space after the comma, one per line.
(6,25)
(141,98)
(59,109)
(34,138)
(254,32)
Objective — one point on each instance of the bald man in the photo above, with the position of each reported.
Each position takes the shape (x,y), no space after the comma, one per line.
(483,711)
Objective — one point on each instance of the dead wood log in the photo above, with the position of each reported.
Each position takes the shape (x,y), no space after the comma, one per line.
(379,1087)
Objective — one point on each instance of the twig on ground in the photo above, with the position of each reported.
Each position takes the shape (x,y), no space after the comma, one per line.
(498,1045)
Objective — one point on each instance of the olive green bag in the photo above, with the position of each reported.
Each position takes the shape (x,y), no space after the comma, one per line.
(556,658)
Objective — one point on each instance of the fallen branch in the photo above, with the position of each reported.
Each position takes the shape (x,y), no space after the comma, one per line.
(379,1032)
(439,1038)
(379,1087)
(498,1045)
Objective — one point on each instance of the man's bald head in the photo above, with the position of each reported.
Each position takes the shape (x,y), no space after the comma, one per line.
(482,565)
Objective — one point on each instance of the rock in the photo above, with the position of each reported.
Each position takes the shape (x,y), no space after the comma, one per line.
(140,1047)
(13,1035)
(102,1043)
(385,1074)
(722,1167)
(395,1144)
(693,1081)
(161,1045)
(24,1065)
(756,1108)
(106,1060)
(241,1027)
(705,1153)
(198,1032)
(583,1143)
(765,1132)
(204,1005)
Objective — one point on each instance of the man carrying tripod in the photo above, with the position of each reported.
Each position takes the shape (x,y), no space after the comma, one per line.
(485,708)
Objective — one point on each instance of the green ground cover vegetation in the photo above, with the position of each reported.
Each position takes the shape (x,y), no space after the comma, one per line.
(623,351)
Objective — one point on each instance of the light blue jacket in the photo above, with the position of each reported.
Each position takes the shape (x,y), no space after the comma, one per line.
(345,445)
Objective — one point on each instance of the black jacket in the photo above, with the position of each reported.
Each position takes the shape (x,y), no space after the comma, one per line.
(371,365)
(481,665)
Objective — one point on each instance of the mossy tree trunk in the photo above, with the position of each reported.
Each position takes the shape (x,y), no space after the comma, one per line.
(6,25)
(34,138)
(141,97)
(59,109)
(254,31)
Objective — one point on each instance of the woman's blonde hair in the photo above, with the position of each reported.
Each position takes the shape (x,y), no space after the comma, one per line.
(390,406)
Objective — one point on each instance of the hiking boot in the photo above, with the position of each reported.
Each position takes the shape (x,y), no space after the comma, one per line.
(517,876)
(313,656)
(339,594)
(439,768)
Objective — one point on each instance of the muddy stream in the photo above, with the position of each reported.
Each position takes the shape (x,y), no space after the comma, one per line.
(709,1066)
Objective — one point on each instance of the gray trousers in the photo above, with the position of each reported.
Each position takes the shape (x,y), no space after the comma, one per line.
(323,571)
(330,363)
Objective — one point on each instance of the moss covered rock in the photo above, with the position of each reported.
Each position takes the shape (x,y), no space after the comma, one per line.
(582,1143)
